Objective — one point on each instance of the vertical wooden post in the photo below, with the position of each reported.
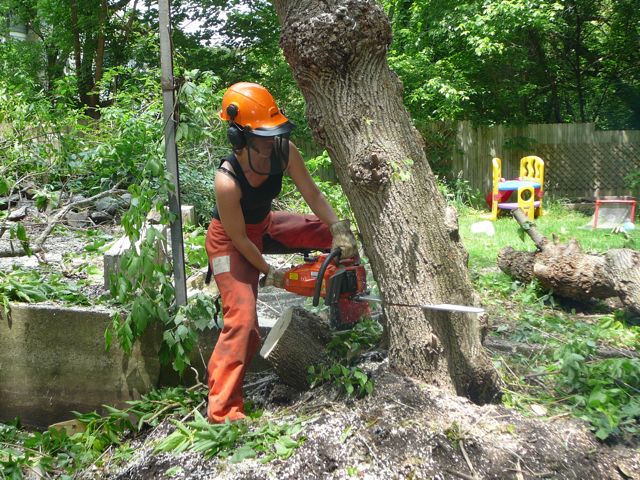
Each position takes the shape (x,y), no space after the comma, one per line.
(171,150)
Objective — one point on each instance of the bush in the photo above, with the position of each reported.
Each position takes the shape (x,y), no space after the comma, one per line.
(632,180)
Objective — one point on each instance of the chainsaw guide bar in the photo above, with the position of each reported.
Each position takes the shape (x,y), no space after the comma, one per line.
(440,306)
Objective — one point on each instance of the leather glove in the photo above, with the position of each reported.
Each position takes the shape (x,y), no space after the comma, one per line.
(343,239)
(274,277)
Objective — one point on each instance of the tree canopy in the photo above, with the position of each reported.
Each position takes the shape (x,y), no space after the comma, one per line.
(519,61)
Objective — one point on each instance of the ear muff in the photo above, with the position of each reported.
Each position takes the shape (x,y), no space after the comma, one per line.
(236,136)
(235,133)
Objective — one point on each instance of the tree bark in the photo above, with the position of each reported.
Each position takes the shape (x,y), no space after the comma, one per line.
(296,342)
(101,40)
(569,272)
(337,50)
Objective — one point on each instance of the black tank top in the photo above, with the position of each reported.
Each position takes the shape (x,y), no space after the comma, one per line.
(255,201)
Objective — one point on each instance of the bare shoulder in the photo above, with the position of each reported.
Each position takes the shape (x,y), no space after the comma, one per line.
(226,186)
(295,159)
(293,149)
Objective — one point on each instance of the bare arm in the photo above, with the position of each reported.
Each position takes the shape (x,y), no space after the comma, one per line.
(228,201)
(308,188)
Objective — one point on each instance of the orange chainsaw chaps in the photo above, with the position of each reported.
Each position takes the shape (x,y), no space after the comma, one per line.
(238,342)
(237,281)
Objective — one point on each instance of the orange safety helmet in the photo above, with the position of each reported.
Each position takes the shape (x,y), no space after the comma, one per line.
(252,108)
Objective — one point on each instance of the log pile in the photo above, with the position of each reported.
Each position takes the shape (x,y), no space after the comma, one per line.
(571,273)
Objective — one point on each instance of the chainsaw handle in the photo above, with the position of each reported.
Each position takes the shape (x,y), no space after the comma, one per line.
(316,292)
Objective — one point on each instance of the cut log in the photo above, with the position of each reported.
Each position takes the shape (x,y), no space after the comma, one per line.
(296,342)
(571,273)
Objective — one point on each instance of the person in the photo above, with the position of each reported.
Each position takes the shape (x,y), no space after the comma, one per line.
(243,223)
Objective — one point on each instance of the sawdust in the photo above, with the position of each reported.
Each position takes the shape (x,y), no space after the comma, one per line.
(404,430)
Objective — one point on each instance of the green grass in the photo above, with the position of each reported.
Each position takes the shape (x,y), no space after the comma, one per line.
(565,376)
(557,220)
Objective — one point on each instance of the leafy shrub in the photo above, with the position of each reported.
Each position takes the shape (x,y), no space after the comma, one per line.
(458,191)
(603,392)
(235,440)
(197,187)
(632,180)
(56,454)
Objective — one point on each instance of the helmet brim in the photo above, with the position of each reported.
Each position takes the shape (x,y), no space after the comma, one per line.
(286,127)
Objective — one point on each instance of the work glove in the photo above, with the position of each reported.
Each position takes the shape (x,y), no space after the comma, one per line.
(343,239)
(274,277)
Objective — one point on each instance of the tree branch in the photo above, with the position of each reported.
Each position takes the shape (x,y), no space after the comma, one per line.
(539,239)
(60,214)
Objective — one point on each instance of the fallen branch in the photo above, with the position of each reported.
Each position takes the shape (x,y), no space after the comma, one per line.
(466,458)
(530,349)
(57,218)
(569,272)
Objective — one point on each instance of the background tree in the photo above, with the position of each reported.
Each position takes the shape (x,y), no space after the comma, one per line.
(518,61)
(337,51)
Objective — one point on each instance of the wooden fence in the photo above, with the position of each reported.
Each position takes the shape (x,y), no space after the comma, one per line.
(580,162)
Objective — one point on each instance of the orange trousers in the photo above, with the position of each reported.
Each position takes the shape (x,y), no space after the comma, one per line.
(237,281)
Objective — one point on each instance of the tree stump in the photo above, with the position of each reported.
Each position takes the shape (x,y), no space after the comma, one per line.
(296,342)
(571,273)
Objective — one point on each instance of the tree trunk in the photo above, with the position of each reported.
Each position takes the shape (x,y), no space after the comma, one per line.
(94,97)
(296,342)
(337,50)
(571,273)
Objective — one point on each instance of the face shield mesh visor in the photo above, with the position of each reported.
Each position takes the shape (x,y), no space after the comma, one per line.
(268,155)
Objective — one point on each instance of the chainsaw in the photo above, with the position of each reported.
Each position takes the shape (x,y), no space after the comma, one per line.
(343,285)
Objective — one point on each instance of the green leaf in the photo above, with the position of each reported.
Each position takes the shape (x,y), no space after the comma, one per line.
(170,443)
(349,388)
(282,450)
(597,398)
(360,376)
(369,387)
(288,442)
(108,338)
(242,453)
(173,471)
(4,186)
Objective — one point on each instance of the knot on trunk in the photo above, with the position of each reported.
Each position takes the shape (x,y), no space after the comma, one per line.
(370,169)
(331,39)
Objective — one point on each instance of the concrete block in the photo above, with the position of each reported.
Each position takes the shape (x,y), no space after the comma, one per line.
(53,361)
(188,214)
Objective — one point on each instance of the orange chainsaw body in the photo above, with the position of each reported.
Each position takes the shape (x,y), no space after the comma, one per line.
(340,284)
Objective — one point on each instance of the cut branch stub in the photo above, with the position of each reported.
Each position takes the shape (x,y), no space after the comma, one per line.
(529,229)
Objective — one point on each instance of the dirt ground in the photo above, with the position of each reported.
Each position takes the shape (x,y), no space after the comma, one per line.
(404,430)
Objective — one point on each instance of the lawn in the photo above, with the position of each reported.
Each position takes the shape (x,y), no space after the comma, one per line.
(557,220)
(558,359)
